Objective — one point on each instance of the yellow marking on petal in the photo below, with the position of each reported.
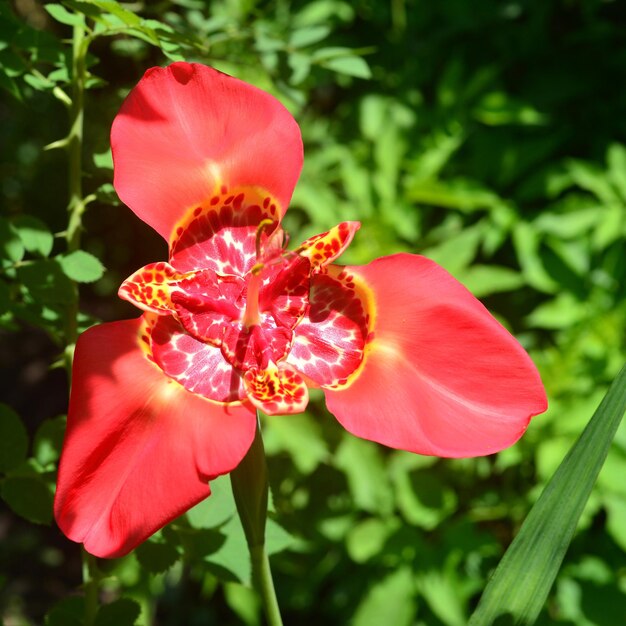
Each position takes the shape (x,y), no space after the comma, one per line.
(151,287)
(325,248)
(222,195)
(276,391)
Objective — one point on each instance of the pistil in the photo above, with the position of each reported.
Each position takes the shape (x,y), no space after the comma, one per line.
(252,314)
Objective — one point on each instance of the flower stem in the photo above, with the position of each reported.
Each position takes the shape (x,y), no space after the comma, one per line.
(76,203)
(76,207)
(263,582)
(250,489)
(91,579)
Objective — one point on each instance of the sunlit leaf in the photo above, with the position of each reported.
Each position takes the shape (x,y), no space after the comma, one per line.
(81,266)
(390,601)
(308,35)
(11,246)
(352,66)
(522,580)
(62,15)
(363,465)
(483,280)
(49,439)
(34,235)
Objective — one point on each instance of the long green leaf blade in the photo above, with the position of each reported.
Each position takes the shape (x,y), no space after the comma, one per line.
(520,585)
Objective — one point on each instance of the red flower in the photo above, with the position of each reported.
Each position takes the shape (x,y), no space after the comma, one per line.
(162,404)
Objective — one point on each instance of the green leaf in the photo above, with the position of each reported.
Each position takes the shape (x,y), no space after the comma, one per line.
(156,556)
(527,244)
(67,612)
(616,160)
(81,266)
(34,235)
(443,597)
(40,83)
(114,8)
(367,538)
(61,14)
(498,108)
(48,440)
(13,439)
(616,519)
(103,159)
(244,601)
(300,436)
(11,246)
(351,66)
(457,251)
(390,601)
(30,497)
(46,282)
(122,612)
(483,280)
(215,510)
(522,580)
(309,35)
(231,561)
(560,312)
(364,467)
(277,538)
(423,498)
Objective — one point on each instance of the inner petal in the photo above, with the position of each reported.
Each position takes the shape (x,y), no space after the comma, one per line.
(325,248)
(255,347)
(276,391)
(151,287)
(329,342)
(285,291)
(208,304)
(196,365)
(221,233)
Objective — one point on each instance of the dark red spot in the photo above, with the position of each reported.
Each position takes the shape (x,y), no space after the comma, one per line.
(238,200)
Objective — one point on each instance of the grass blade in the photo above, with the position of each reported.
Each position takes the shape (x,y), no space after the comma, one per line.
(520,585)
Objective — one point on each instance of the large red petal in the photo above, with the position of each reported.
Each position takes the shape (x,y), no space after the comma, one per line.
(139,448)
(441,376)
(187,130)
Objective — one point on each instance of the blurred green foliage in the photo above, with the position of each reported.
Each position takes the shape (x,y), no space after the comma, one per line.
(488,136)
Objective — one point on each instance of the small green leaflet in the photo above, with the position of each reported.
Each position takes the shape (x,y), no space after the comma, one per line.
(81,266)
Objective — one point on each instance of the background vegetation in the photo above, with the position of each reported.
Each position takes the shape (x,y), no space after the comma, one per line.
(488,136)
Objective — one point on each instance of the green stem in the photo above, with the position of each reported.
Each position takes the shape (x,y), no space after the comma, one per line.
(76,202)
(264,584)
(91,579)
(76,207)
(250,489)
